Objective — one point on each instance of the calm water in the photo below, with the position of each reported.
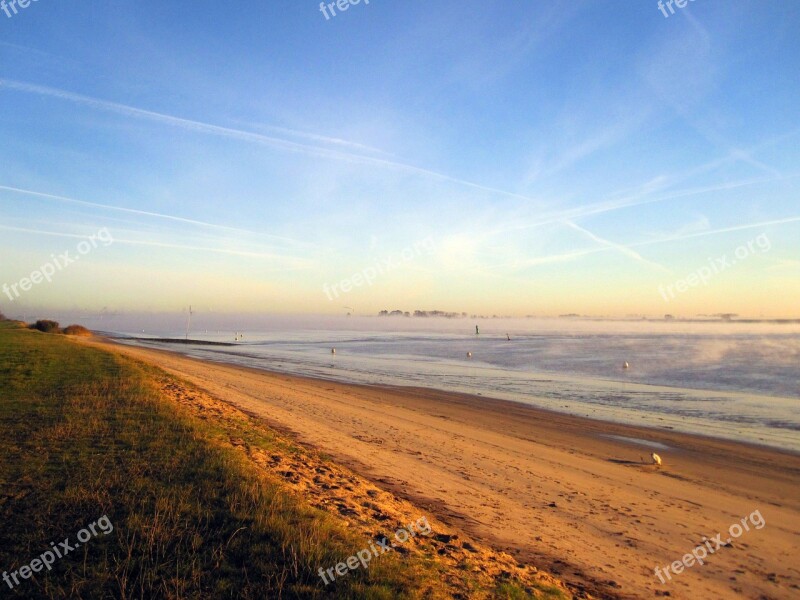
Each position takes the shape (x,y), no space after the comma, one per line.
(716,380)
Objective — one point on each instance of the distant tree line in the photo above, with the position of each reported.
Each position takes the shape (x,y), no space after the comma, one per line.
(423,313)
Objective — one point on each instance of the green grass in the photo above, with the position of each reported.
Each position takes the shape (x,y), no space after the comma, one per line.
(513,591)
(83,433)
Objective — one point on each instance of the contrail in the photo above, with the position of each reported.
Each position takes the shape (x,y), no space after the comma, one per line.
(317,137)
(579,253)
(299,262)
(245,136)
(642,197)
(629,202)
(145,213)
(619,247)
(716,231)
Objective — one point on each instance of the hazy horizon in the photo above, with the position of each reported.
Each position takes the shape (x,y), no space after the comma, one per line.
(213,322)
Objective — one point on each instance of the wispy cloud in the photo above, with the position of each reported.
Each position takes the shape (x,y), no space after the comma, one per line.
(634,200)
(291,262)
(625,250)
(315,137)
(568,256)
(145,213)
(688,236)
(699,224)
(246,136)
(552,160)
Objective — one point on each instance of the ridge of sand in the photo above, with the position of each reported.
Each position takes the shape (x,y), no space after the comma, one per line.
(550,489)
(472,569)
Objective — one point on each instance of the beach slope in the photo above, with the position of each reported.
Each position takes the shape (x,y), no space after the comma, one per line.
(572,495)
(160,490)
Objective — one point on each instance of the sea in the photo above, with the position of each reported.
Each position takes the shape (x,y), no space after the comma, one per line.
(737,381)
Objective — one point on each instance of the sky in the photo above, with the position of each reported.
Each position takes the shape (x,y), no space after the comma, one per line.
(511,158)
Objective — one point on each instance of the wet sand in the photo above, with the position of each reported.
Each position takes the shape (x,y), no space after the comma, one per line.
(573,496)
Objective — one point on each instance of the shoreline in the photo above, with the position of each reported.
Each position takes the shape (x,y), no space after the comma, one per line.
(639,419)
(578,422)
(569,494)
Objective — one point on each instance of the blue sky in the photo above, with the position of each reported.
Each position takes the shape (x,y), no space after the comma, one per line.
(562,156)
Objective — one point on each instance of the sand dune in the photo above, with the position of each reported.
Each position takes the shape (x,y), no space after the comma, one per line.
(570,495)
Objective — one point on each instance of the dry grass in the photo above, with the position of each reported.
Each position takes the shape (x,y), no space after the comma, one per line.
(85,433)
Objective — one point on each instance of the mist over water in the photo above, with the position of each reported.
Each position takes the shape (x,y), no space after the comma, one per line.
(733,380)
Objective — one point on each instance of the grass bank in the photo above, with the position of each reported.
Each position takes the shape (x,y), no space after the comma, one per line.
(86,434)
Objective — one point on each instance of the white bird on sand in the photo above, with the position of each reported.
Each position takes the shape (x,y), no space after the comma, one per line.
(656,459)
(625,365)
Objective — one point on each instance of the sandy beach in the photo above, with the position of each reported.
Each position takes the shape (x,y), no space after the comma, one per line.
(572,496)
